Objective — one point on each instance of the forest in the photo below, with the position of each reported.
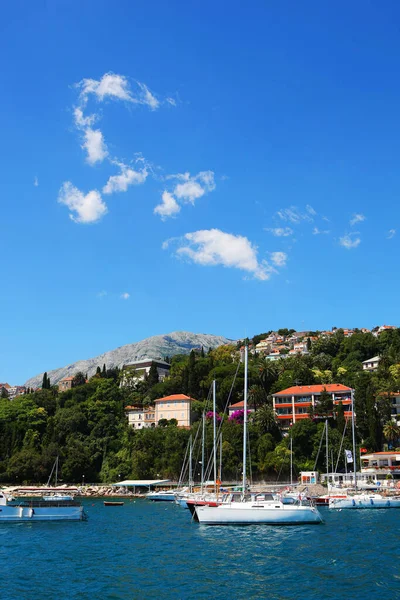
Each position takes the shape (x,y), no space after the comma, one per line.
(86,426)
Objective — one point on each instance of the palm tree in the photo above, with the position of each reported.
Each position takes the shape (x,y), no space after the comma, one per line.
(391,431)
(257,396)
(265,418)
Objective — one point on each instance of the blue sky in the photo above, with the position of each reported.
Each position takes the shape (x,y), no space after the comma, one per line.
(180,166)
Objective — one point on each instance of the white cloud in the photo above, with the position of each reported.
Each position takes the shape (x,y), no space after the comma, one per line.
(168,206)
(95,146)
(280,231)
(349,242)
(80,120)
(294,215)
(391,233)
(102,294)
(115,87)
(311,210)
(170,101)
(35,181)
(214,247)
(109,86)
(317,231)
(89,208)
(189,190)
(279,258)
(125,296)
(357,218)
(127,177)
(194,187)
(146,97)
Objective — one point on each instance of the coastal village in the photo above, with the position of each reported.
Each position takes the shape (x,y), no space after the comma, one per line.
(290,406)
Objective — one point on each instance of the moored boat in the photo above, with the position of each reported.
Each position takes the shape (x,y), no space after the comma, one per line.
(366,501)
(110,503)
(47,508)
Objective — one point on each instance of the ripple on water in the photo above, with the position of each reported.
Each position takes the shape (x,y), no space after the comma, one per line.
(146,550)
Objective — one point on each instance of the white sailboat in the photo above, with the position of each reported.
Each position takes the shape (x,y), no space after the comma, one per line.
(256,508)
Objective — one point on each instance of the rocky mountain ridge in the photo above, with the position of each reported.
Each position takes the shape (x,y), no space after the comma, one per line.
(155,347)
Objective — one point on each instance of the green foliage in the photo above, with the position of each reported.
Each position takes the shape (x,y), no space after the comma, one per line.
(87,428)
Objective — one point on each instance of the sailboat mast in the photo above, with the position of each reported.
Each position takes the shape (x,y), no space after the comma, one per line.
(56,471)
(245,418)
(190,464)
(203,437)
(327,452)
(220,457)
(353,431)
(291,458)
(215,434)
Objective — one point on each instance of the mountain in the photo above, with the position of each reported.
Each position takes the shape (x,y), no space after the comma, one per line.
(158,346)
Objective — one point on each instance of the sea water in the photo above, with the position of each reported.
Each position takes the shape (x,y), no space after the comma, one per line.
(154,550)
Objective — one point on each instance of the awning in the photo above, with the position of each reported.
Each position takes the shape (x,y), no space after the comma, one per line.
(140,482)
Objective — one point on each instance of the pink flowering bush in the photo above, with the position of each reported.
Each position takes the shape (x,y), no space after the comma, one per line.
(238,416)
(210,415)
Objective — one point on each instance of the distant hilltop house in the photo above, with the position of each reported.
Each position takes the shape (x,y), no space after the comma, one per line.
(12,391)
(65,384)
(141,369)
(371,364)
(4,389)
(176,406)
(294,403)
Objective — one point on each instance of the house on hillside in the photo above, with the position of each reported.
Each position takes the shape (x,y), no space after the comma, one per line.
(65,384)
(140,417)
(16,390)
(6,387)
(371,364)
(141,369)
(176,406)
(294,403)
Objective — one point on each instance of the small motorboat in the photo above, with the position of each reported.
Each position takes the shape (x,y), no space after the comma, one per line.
(109,503)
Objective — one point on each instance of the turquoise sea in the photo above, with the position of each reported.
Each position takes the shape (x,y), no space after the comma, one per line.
(153,550)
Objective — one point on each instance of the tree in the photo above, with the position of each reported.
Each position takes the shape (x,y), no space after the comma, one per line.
(104,371)
(4,393)
(79,379)
(153,377)
(324,407)
(45,382)
(391,431)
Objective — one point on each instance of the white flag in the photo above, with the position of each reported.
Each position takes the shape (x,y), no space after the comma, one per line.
(349,456)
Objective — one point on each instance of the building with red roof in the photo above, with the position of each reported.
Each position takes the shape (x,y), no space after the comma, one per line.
(294,403)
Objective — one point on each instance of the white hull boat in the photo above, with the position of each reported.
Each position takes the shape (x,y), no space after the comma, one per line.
(50,508)
(269,512)
(161,496)
(365,501)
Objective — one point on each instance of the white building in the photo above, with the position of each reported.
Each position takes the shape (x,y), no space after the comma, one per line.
(140,417)
(141,368)
(371,364)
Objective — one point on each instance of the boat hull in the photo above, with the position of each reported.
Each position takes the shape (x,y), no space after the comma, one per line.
(265,515)
(364,502)
(161,497)
(52,513)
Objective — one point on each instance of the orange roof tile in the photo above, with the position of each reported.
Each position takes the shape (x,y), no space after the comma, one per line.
(174,397)
(298,390)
